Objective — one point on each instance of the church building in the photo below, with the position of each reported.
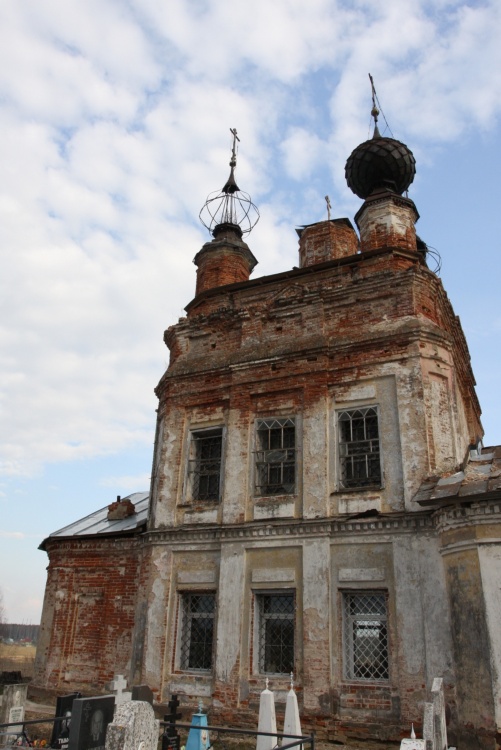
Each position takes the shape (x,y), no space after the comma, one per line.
(321,503)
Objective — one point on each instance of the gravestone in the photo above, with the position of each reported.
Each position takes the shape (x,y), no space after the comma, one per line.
(170,737)
(412,743)
(13,702)
(292,722)
(133,728)
(142,693)
(118,685)
(440,724)
(429,727)
(89,720)
(267,721)
(198,736)
(61,729)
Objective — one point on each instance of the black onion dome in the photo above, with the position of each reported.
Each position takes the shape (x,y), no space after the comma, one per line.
(380,163)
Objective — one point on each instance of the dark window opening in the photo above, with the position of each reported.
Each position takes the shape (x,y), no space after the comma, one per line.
(276,633)
(197,631)
(366,636)
(205,464)
(276,457)
(359,454)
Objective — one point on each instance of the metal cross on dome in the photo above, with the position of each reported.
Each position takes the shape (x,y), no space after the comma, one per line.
(230,207)
(329,206)
(233,162)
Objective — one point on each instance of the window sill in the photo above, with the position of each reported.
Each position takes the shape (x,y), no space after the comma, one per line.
(266,499)
(193,671)
(362,682)
(358,490)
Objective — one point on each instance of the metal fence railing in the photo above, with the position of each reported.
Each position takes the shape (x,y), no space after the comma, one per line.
(171,738)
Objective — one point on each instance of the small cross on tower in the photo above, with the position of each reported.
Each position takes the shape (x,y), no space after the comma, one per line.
(233,162)
(328,202)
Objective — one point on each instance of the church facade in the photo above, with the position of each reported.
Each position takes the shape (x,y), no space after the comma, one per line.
(320,503)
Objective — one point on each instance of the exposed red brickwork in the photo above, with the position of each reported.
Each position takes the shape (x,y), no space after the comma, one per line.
(91,592)
(326,240)
(337,312)
(387,220)
(225,260)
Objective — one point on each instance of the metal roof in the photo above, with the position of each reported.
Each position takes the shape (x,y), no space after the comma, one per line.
(97,524)
(480,479)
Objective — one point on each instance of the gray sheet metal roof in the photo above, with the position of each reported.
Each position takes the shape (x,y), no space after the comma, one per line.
(480,479)
(97,524)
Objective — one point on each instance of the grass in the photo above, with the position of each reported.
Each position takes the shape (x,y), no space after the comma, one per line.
(16,657)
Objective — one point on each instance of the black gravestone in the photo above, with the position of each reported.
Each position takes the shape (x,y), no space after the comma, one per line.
(61,729)
(89,720)
(142,693)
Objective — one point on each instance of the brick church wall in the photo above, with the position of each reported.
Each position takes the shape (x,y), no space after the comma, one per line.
(88,615)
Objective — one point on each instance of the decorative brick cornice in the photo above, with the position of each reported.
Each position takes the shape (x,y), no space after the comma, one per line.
(95,543)
(287,530)
(476,514)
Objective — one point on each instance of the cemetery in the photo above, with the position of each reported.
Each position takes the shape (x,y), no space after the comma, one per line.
(127,720)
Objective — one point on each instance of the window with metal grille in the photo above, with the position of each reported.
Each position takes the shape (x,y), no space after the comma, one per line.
(365,636)
(359,457)
(205,464)
(197,631)
(276,633)
(276,457)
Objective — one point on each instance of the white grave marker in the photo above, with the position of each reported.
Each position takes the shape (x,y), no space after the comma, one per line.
(118,686)
(267,720)
(440,724)
(292,722)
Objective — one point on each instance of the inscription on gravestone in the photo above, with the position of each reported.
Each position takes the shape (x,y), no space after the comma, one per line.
(61,729)
(12,707)
(16,713)
(13,695)
(89,721)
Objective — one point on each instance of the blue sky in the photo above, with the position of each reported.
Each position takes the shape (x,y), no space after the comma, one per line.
(115,118)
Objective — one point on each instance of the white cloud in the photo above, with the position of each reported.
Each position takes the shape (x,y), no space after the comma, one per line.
(127,483)
(17,535)
(115,121)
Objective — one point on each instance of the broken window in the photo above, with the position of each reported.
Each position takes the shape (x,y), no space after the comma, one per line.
(276,456)
(365,636)
(197,630)
(359,454)
(276,633)
(204,466)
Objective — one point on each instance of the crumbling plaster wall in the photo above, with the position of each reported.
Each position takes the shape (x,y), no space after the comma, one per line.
(489,553)
(318,563)
(372,331)
(301,344)
(469,538)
